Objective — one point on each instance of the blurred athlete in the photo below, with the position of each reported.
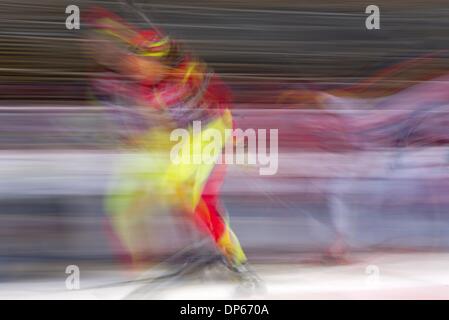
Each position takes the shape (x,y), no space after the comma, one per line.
(413,89)
(147,73)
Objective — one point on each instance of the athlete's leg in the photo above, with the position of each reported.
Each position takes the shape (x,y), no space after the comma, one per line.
(210,217)
(136,191)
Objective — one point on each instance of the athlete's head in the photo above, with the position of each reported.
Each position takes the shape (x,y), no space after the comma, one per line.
(145,55)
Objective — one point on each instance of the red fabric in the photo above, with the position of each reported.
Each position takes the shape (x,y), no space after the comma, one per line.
(219,92)
(207,213)
(144,36)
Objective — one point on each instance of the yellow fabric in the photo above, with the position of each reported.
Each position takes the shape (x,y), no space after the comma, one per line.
(230,246)
(148,180)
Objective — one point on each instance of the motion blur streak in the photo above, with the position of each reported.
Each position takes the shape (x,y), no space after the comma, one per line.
(363,120)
